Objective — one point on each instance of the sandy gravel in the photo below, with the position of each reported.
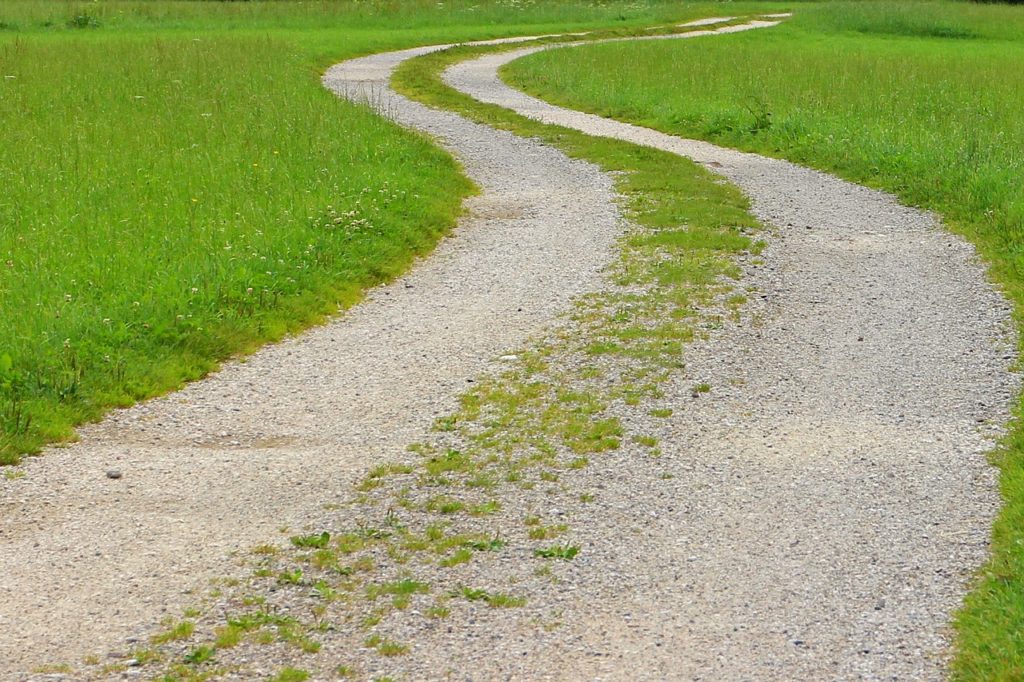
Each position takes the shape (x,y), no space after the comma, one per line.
(87,561)
(813,517)
(831,494)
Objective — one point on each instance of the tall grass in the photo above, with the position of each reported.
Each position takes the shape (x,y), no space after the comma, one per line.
(921,98)
(177,187)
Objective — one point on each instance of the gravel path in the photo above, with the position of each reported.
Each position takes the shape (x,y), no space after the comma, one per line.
(827,498)
(87,561)
(831,494)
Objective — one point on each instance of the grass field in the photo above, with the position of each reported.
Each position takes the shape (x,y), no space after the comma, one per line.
(919,98)
(179,188)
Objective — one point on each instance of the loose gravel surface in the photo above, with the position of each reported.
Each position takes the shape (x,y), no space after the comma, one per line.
(832,495)
(87,561)
(814,515)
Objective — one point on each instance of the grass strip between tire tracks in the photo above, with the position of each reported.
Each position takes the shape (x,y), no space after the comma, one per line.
(918,98)
(436,530)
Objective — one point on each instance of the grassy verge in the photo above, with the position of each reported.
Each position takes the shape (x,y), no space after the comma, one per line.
(919,98)
(178,187)
(470,512)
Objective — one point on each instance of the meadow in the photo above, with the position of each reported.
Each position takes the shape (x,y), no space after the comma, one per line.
(919,98)
(178,188)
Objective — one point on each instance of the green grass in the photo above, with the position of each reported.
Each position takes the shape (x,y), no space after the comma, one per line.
(496,600)
(175,631)
(386,647)
(178,187)
(565,552)
(453,16)
(920,98)
(290,675)
(150,226)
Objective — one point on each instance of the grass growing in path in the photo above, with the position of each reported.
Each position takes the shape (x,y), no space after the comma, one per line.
(482,489)
(177,187)
(920,98)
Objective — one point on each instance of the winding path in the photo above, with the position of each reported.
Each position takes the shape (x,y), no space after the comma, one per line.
(837,496)
(833,495)
(87,562)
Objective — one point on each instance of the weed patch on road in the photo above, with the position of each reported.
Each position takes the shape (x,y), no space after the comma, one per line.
(478,521)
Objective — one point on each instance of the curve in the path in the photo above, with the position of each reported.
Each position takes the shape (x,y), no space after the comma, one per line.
(839,496)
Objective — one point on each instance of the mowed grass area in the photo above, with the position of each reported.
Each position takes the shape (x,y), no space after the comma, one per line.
(178,188)
(923,99)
